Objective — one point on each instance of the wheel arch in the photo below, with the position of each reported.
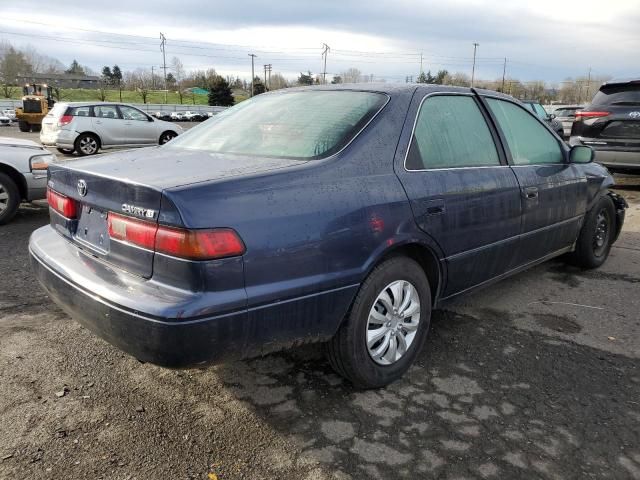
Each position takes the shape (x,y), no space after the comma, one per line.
(168,130)
(424,256)
(17,177)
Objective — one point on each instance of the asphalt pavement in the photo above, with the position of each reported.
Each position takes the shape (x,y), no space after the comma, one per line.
(535,377)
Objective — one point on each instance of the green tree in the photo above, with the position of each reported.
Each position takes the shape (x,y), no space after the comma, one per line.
(75,68)
(441,76)
(305,79)
(107,76)
(422,78)
(258,86)
(171,80)
(12,65)
(220,92)
(336,79)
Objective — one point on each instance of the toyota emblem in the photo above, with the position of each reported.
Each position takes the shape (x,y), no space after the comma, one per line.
(82,188)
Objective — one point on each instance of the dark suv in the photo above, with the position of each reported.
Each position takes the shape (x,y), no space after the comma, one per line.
(611,125)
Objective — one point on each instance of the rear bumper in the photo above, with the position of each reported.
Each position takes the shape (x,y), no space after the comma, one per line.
(145,319)
(60,138)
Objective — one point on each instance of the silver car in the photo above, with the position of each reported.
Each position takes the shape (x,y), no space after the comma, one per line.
(23,174)
(86,127)
(566,115)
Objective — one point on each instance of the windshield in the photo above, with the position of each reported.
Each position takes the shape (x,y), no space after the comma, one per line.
(301,125)
(618,95)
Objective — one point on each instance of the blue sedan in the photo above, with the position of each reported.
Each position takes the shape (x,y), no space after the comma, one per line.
(337,214)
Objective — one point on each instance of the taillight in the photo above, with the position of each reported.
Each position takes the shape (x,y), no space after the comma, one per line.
(63,205)
(582,114)
(65,120)
(177,242)
(127,229)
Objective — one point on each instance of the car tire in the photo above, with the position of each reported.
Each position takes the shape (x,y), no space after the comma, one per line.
(596,236)
(66,151)
(357,351)
(167,137)
(36,127)
(9,198)
(24,126)
(87,144)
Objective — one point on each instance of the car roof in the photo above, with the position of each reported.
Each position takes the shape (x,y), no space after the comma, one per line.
(621,81)
(89,104)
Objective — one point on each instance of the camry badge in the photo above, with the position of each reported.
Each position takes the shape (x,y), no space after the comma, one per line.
(138,211)
(82,188)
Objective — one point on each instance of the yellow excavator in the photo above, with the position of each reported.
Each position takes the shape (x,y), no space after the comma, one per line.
(36,103)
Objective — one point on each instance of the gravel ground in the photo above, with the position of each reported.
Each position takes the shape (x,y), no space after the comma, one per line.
(535,377)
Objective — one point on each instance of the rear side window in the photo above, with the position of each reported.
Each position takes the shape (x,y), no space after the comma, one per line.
(80,111)
(622,95)
(529,141)
(451,132)
(105,111)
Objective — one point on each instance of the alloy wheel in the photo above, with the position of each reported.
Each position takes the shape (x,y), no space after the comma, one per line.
(4,198)
(88,145)
(393,322)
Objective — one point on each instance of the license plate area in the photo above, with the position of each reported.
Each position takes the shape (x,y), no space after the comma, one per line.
(92,229)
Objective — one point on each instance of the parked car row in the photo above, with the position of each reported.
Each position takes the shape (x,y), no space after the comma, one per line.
(7,117)
(183,116)
(263,230)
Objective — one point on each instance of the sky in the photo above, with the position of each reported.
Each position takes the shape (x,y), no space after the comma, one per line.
(548,40)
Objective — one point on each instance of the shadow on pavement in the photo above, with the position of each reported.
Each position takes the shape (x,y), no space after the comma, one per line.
(484,399)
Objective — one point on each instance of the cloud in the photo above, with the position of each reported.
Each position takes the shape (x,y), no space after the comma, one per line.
(545,39)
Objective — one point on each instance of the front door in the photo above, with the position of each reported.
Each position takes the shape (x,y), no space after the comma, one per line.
(554,192)
(137,126)
(462,192)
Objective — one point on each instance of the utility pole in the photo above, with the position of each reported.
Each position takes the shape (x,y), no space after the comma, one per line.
(253,56)
(265,76)
(420,63)
(269,78)
(504,71)
(588,84)
(163,40)
(473,69)
(153,78)
(325,51)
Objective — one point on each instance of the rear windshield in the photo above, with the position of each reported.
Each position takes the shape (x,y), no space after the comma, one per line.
(618,95)
(57,110)
(301,125)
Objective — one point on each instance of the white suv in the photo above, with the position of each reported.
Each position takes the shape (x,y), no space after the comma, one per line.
(86,127)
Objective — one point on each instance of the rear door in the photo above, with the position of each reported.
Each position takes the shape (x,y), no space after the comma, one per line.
(138,128)
(108,124)
(553,191)
(462,192)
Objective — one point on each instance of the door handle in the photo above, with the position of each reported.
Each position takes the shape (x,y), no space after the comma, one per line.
(531,193)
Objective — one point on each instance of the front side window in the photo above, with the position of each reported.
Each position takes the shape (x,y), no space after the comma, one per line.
(302,125)
(529,141)
(451,132)
(130,113)
(105,111)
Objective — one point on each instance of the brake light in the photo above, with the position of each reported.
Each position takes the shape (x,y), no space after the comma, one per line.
(581,114)
(177,242)
(63,205)
(65,120)
(127,229)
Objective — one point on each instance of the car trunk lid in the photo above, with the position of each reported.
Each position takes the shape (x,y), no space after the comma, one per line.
(95,196)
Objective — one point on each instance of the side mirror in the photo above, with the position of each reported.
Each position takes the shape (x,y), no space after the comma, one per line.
(581,154)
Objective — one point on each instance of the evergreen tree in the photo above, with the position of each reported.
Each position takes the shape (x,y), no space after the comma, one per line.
(116,75)
(107,76)
(305,79)
(440,76)
(258,86)
(422,78)
(220,92)
(75,68)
